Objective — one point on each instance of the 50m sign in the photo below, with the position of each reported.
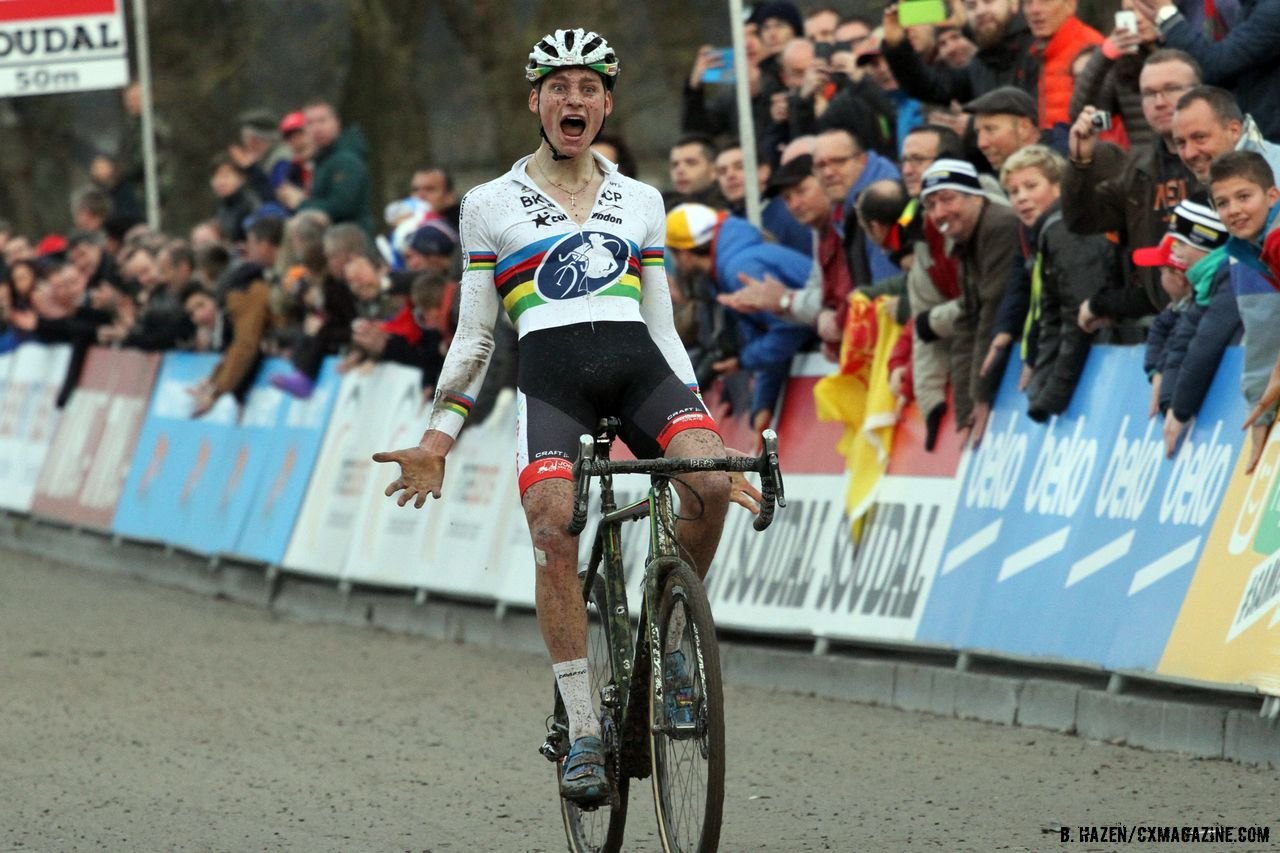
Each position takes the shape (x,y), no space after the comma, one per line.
(49,46)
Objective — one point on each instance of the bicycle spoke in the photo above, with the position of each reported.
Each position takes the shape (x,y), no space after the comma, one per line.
(688,752)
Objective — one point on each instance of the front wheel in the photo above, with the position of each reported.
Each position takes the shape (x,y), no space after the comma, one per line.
(599,830)
(686,719)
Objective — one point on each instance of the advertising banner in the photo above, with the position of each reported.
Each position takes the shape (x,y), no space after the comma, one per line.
(386,544)
(1076,539)
(177,489)
(288,433)
(464,546)
(881,577)
(28,419)
(85,470)
(342,481)
(51,46)
(769,581)
(1229,627)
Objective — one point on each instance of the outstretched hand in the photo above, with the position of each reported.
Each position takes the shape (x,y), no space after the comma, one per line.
(421,474)
(741,491)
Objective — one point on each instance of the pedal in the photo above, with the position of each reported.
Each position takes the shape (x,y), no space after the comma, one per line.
(555,747)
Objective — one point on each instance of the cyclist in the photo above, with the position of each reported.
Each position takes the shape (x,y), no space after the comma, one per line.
(573,251)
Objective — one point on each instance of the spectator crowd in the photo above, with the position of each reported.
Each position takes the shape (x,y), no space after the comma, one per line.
(1008,178)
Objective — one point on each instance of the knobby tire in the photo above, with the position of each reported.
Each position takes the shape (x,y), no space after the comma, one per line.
(688,769)
(599,830)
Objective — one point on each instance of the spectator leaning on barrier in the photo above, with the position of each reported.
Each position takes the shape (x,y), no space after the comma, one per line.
(1243,189)
(984,241)
(1195,272)
(807,201)
(234,325)
(1064,269)
(1133,194)
(726,248)
(845,168)
(1245,60)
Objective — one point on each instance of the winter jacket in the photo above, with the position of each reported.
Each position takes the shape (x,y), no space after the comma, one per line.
(986,261)
(1261,255)
(340,184)
(1067,269)
(868,263)
(1244,61)
(1118,192)
(1259,306)
(1112,85)
(1007,63)
(1056,79)
(244,295)
(767,343)
(1209,324)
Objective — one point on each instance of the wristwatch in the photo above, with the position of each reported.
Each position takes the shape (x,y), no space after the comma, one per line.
(784,304)
(1164,13)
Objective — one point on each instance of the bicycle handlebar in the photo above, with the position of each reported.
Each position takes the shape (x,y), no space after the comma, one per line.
(766,465)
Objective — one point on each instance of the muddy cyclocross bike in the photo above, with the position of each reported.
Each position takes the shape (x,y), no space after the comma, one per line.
(663,721)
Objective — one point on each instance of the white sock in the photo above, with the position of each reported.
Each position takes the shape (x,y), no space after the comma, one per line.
(675,630)
(574,682)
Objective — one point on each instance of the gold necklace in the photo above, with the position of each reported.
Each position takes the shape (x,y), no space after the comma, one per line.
(573,194)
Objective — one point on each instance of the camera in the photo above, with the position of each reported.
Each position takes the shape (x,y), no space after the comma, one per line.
(1101,120)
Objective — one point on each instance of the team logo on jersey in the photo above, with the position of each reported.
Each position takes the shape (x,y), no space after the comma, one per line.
(581,263)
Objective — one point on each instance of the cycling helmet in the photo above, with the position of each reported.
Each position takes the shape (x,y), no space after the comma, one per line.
(576,48)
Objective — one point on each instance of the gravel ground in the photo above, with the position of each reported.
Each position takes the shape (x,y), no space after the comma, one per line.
(140,718)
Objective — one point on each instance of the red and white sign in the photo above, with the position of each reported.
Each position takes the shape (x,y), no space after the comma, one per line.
(49,46)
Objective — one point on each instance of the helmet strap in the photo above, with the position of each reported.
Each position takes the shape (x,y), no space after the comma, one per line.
(555,155)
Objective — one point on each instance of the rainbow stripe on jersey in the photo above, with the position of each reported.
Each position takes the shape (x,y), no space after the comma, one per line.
(515,276)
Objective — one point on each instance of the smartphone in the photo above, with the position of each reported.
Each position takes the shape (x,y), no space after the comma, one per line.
(722,73)
(1127,19)
(912,12)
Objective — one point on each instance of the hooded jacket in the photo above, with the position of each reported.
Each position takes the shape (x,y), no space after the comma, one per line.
(767,343)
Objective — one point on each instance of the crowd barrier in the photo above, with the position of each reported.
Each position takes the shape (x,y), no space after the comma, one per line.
(1073,541)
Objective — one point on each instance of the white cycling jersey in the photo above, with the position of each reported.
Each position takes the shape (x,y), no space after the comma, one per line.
(523,253)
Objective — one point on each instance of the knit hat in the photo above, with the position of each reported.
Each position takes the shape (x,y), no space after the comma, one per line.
(783,11)
(691,225)
(1194,224)
(950,174)
(435,237)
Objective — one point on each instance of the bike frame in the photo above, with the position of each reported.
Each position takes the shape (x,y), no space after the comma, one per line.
(625,647)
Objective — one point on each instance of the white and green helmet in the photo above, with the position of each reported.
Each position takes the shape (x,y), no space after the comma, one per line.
(576,48)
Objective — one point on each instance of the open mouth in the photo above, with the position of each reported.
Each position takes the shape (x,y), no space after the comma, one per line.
(573,127)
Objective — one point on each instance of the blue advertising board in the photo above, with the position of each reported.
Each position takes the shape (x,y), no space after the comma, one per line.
(197,482)
(1077,539)
(287,434)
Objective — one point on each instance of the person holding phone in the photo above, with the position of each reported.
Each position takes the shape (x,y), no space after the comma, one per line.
(1109,80)
(1004,56)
